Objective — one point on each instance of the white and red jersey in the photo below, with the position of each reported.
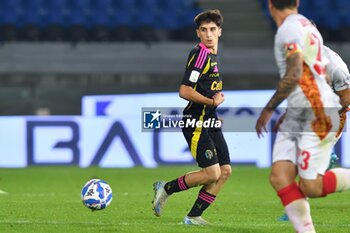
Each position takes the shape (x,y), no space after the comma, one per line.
(337,70)
(298,35)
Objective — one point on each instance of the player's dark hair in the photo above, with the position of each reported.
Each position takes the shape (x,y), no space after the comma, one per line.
(283,4)
(209,16)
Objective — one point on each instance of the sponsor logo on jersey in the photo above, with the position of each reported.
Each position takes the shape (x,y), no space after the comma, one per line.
(216,86)
(214,75)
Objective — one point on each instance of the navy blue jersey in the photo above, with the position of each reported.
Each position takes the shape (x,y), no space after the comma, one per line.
(203,75)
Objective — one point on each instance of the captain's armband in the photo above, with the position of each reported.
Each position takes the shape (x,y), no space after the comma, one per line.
(291,49)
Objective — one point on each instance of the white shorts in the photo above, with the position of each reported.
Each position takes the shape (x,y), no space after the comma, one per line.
(304,148)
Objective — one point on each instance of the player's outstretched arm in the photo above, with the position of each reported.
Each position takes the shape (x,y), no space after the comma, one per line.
(289,81)
(285,87)
(261,123)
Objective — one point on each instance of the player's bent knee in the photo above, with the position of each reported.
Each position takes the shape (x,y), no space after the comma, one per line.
(275,180)
(279,181)
(226,172)
(282,174)
(212,173)
(209,180)
(211,176)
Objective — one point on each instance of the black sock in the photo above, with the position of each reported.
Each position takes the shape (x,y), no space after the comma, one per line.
(176,185)
(202,203)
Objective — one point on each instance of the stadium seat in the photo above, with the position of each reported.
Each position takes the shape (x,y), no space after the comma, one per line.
(320,4)
(77,23)
(126,4)
(13,4)
(146,20)
(150,4)
(101,4)
(332,20)
(34,4)
(145,17)
(58,4)
(31,25)
(342,4)
(314,16)
(80,4)
(169,20)
(122,25)
(8,24)
(342,7)
(320,7)
(54,27)
(30,16)
(167,24)
(187,4)
(186,31)
(170,4)
(100,19)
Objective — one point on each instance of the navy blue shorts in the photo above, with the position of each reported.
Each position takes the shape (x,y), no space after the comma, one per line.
(207,146)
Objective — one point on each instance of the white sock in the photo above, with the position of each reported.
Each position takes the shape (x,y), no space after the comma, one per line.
(343,179)
(298,212)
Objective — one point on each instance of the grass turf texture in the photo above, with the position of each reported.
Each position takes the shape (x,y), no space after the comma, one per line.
(47,199)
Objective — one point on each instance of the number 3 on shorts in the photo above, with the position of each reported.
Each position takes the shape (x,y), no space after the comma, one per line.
(305,156)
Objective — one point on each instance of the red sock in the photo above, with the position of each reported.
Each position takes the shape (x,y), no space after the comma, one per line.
(290,193)
(329,183)
(297,208)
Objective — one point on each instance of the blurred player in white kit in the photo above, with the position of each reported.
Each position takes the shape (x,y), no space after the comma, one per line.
(306,136)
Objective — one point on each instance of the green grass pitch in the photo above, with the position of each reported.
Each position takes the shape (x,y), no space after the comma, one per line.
(47,199)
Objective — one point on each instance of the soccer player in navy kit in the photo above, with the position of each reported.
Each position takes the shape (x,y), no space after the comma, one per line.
(202,87)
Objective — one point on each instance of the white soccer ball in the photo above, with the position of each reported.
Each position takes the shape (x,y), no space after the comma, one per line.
(96,194)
